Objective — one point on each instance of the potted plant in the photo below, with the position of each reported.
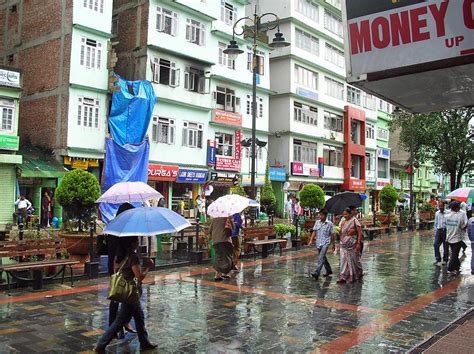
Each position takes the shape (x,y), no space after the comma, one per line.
(77,194)
(388,202)
(312,197)
(427,211)
(166,243)
(267,196)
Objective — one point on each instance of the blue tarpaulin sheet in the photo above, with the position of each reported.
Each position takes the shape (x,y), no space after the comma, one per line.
(132,107)
(128,163)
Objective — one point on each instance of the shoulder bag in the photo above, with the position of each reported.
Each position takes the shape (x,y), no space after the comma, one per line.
(123,290)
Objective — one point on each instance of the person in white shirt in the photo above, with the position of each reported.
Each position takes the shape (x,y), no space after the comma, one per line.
(440,235)
(456,224)
(23,205)
(289,209)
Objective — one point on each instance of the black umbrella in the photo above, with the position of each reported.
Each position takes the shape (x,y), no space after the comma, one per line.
(341,201)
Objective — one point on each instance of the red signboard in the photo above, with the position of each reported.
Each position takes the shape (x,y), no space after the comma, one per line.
(162,172)
(357,185)
(231,163)
(225,117)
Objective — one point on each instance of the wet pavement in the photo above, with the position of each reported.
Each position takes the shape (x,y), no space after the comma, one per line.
(270,306)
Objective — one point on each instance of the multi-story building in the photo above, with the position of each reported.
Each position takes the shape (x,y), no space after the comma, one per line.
(10,92)
(61,48)
(383,150)
(319,124)
(203,111)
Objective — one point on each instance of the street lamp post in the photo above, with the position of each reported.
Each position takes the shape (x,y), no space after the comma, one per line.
(233,51)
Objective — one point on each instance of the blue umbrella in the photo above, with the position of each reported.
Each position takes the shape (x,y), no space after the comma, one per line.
(146,222)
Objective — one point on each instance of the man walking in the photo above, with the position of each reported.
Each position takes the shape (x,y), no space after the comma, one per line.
(23,205)
(323,234)
(456,224)
(440,235)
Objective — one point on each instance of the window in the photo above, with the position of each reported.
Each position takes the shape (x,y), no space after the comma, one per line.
(163,130)
(88,112)
(165,72)
(332,155)
(228,13)
(382,168)
(334,88)
(96,5)
(226,100)
(353,95)
(332,121)
(368,101)
(307,42)
(356,166)
(195,32)
(369,162)
(334,55)
(308,9)
(194,80)
(305,114)
(382,133)
(259,106)
(166,21)
(91,53)
(115,26)
(192,135)
(224,144)
(369,131)
(7,108)
(335,3)
(306,77)
(333,23)
(260,62)
(355,131)
(305,151)
(224,58)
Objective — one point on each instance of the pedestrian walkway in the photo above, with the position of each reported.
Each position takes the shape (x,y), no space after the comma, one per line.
(272,305)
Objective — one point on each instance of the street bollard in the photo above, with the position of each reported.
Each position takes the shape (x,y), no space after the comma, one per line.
(20,231)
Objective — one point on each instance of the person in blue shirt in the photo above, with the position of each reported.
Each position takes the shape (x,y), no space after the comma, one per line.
(323,234)
(237,218)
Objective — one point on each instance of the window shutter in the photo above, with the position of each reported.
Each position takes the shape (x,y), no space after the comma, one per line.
(188,30)
(159,19)
(82,54)
(156,72)
(237,104)
(174,25)
(171,135)
(79,114)
(202,84)
(174,77)
(154,132)
(99,56)
(202,34)
(199,142)
(186,80)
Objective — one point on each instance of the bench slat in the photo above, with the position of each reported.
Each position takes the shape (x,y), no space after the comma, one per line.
(35,265)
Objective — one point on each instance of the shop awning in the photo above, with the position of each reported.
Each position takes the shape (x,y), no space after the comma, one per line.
(37,164)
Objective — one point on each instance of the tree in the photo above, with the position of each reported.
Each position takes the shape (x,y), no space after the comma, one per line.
(312,196)
(441,138)
(267,196)
(77,194)
(388,199)
(239,190)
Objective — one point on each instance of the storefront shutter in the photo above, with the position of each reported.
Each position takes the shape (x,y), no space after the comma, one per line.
(7,193)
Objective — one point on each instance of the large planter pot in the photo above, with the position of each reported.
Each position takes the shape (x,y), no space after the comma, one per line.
(384,219)
(77,243)
(166,246)
(426,215)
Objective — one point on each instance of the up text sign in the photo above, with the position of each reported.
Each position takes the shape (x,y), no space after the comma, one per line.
(383,37)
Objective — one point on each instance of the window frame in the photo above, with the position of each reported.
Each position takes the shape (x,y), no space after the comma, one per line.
(306,114)
(7,109)
(195,32)
(369,131)
(333,24)
(333,156)
(88,110)
(306,77)
(161,15)
(333,122)
(173,75)
(306,8)
(223,145)
(306,41)
(94,5)
(157,128)
(195,80)
(193,133)
(224,58)
(334,86)
(230,99)
(305,151)
(384,136)
(228,13)
(90,55)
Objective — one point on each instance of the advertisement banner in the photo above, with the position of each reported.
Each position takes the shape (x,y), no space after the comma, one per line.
(231,163)
(224,179)
(304,169)
(9,78)
(162,172)
(357,185)
(386,34)
(191,176)
(9,142)
(211,153)
(383,153)
(277,174)
(231,118)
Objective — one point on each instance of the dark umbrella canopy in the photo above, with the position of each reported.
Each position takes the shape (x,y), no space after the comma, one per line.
(341,201)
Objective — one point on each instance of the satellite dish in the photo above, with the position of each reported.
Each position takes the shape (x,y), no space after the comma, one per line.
(208,191)
(286,185)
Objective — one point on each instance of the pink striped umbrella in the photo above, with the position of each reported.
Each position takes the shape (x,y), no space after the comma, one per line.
(464,194)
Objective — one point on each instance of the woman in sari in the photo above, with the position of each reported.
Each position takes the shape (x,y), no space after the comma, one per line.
(220,232)
(350,249)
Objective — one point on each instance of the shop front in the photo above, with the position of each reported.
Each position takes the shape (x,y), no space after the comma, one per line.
(220,184)
(187,187)
(277,176)
(161,178)
(90,164)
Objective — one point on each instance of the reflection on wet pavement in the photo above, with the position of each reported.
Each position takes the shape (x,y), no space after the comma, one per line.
(270,306)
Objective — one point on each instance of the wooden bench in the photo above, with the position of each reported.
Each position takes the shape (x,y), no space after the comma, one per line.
(35,255)
(426,224)
(373,231)
(264,236)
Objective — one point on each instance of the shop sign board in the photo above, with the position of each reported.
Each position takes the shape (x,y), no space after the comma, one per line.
(277,174)
(225,179)
(259,180)
(162,172)
(383,153)
(357,184)
(231,163)
(231,118)
(9,142)
(382,183)
(80,164)
(191,176)
(211,153)
(304,169)
(307,93)
(9,78)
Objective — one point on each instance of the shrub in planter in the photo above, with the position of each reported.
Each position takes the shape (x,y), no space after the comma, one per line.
(267,196)
(77,194)
(388,199)
(312,196)
(427,211)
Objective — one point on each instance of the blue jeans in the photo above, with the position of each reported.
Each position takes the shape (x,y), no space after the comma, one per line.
(471,237)
(440,239)
(323,261)
(126,312)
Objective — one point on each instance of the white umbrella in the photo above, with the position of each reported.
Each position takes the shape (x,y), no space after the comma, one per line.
(129,192)
(229,205)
